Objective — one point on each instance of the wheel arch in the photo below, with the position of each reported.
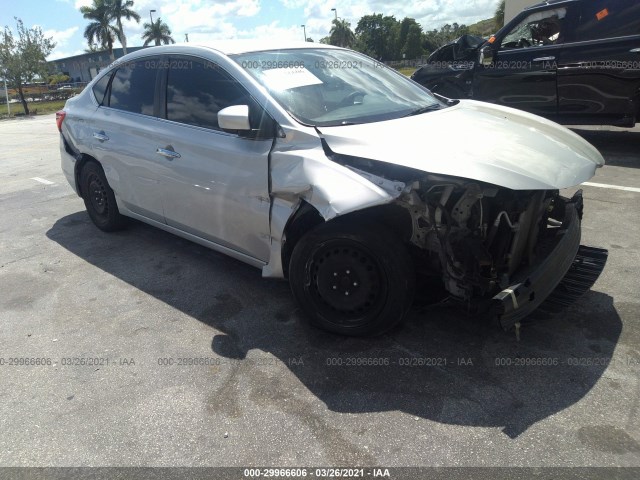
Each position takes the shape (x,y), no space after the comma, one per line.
(351,276)
(307,217)
(81,161)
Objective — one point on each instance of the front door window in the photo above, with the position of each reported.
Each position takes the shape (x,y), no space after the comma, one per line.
(538,29)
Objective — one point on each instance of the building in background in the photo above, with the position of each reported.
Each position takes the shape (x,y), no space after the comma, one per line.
(82,68)
(514,7)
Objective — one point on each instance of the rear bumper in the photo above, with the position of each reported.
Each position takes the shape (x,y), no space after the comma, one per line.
(535,285)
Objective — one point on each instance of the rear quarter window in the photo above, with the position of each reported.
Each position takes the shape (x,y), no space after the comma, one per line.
(100,88)
(600,19)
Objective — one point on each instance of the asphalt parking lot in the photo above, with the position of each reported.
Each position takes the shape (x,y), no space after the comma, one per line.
(115,322)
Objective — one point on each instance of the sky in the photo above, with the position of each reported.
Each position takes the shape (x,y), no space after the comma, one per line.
(207,20)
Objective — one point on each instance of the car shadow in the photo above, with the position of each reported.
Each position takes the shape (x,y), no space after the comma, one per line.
(620,148)
(440,365)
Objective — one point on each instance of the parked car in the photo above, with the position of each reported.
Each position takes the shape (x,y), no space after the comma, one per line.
(321,165)
(572,61)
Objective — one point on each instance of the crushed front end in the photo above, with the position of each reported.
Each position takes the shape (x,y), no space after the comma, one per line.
(501,252)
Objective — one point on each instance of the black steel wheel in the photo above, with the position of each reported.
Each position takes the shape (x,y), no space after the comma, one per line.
(99,198)
(352,280)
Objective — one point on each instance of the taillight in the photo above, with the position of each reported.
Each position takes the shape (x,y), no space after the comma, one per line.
(60,114)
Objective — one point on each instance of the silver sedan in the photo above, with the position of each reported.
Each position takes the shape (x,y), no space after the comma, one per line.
(323,166)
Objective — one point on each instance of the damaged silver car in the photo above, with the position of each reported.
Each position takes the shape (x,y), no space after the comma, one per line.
(323,166)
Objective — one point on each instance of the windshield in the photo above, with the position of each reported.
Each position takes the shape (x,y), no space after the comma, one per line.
(326,87)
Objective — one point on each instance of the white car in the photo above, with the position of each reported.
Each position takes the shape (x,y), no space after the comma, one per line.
(323,166)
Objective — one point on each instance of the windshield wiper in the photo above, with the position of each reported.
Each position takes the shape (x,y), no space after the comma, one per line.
(421,110)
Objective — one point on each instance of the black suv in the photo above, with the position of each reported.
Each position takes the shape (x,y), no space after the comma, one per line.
(573,61)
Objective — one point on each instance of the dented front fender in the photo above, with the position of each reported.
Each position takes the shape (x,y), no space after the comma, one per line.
(300,171)
(305,173)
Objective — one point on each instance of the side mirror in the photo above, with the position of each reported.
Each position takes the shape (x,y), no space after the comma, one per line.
(235,117)
(486,56)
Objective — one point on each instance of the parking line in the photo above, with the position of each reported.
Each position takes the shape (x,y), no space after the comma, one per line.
(613,187)
(42,180)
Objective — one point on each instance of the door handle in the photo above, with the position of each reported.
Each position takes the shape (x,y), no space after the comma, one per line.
(100,136)
(170,154)
(634,50)
(543,59)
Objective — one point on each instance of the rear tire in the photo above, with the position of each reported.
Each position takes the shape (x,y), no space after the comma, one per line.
(352,280)
(99,199)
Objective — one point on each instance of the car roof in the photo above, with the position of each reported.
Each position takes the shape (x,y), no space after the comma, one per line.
(233,47)
(549,2)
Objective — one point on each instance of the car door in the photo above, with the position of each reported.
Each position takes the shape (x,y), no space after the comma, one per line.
(215,183)
(122,129)
(523,72)
(599,67)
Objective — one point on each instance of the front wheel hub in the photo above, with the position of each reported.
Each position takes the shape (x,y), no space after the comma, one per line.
(346,279)
(98,195)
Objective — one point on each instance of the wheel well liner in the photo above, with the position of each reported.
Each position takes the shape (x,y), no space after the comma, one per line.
(393,217)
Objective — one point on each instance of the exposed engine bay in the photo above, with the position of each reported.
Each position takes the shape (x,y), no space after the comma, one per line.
(483,240)
(478,235)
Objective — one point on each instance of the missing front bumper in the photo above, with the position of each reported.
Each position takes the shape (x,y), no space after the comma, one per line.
(564,275)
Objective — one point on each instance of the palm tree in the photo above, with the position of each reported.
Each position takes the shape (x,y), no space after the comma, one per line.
(341,34)
(157,32)
(93,48)
(100,29)
(122,9)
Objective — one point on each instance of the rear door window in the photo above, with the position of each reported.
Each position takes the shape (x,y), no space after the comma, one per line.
(133,87)
(599,19)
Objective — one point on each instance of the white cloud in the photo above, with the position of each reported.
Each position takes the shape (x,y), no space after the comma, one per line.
(206,20)
(189,16)
(429,13)
(293,3)
(61,37)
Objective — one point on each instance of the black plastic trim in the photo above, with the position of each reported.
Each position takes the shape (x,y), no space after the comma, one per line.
(519,300)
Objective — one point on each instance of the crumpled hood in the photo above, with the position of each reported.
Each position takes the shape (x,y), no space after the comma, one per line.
(475,140)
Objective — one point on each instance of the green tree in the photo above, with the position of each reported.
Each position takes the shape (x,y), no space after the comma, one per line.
(157,32)
(100,30)
(405,25)
(378,36)
(483,28)
(413,43)
(341,34)
(58,78)
(93,48)
(23,58)
(122,9)
(435,39)
(499,15)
